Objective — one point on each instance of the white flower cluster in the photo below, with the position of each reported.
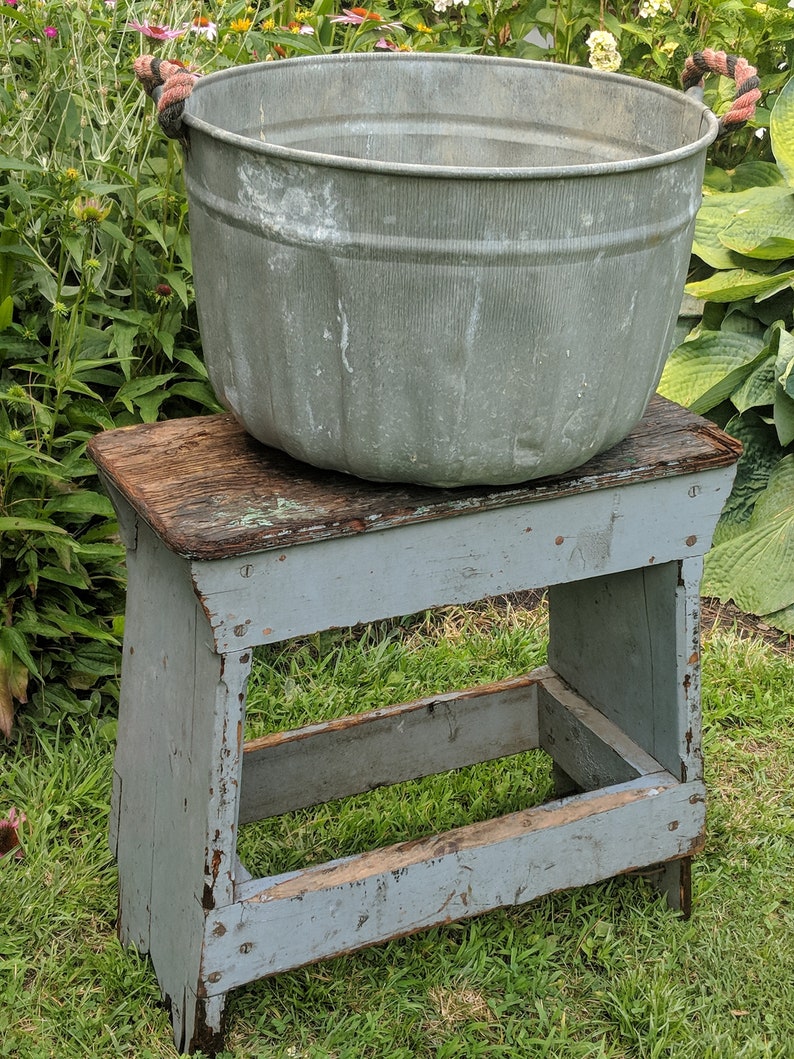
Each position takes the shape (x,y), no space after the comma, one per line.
(444,5)
(604,54)
(651,8)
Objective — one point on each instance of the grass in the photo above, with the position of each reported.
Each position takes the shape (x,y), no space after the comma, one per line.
(605,972)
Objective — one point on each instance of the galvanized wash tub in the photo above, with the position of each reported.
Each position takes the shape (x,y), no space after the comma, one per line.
(437,268)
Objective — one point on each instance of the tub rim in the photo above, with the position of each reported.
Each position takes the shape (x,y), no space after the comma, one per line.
(709,123)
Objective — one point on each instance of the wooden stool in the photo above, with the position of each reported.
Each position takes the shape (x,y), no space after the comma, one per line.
(230,545)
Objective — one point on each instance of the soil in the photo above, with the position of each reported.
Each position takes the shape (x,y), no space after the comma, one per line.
(714,616)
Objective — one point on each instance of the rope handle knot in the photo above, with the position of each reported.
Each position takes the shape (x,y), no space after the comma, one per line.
(169,84)
(748,90)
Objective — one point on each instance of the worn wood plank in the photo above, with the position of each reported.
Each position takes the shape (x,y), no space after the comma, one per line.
(425,564)
(177,768)
(335,759)
(587,746)
(630,645)
(386,893)
(209,490)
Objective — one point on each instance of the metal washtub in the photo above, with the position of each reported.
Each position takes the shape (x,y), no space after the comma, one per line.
(435,268)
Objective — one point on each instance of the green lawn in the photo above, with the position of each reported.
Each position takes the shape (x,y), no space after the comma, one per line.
(605,971)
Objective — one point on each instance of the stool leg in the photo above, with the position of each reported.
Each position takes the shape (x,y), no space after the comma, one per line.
(176,783)
(630,644)
(674,880)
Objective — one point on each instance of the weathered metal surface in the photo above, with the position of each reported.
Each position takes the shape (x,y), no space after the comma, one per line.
(211,491)
(410,268)
(284,922)
(320,762)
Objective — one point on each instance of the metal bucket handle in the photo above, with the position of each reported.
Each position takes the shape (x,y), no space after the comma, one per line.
(169,83)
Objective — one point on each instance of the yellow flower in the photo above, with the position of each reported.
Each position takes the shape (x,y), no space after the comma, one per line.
(240,25)
(71,175)
(267,25)
(422,28)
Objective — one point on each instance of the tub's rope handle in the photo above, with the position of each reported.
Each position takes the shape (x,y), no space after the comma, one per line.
(169,84)
(739,70)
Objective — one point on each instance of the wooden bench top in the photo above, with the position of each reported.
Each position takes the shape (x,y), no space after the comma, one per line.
(210,491)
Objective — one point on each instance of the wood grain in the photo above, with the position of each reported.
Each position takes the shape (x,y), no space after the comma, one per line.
(209,490)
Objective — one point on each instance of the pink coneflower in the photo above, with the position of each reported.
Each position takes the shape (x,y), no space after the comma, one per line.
(156,32)
(204,26)
(355,16)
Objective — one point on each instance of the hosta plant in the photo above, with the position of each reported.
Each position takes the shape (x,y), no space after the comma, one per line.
(737,367)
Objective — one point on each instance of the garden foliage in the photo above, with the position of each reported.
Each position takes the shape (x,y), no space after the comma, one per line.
(97,316)
(738,368)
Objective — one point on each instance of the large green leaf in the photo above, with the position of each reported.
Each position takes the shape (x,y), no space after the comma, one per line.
(760,457)
(782,619)
(718,211)
(785,362)
(737,284)
(765,231)
(755,175)
(756,568)
(784,417)
(705,370)
(781,129)
(9,524)
(784,389)
(758,389)
(6,312)
(17,163)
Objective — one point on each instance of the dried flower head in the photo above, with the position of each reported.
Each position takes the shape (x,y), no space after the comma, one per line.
(9,833)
